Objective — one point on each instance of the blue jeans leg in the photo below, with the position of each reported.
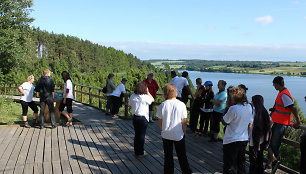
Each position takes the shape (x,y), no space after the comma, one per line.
(278,131)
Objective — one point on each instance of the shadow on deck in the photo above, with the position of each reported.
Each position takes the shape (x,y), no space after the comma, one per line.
(100,145)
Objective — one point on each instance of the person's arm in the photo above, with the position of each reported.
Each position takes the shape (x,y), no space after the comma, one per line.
(66,93)
(160,123)
(296,116)
(150,96)
(189,90)
(184,125)
(112,85)
(249,128)
(156,85)
(21,89)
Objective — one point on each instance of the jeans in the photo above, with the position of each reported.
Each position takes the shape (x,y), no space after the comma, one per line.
(181,155)
(215,122)
(140,124)
(204,121)
(194,115)
(234,157)
(278,131)
(43,103)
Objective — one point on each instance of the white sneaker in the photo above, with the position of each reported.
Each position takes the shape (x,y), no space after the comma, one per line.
(115,117)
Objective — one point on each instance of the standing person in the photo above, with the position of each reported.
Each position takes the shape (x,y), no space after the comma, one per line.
(116,98)
(207,107)
(26,100)
(67,98)
(194,116)
(139,103)
(110,87)
(172,116)
(45,87)
(179,83)
(259,135)
(153,88)
(219,104)
(238,119)
(281,116)
(186,89)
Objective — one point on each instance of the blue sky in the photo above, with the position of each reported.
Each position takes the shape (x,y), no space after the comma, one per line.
(181,29)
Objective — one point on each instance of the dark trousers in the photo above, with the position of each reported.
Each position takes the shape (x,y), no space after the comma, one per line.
(303,153)
(234,157)
(256,160)
(116,103)
(43,103)
(181,155)
(108,103)
(278,131)
(140,124)
(204,121)
(215,122)
(194,115)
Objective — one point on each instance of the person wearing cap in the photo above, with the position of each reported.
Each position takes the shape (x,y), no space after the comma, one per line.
(116,98)
(207,107)
(153,88)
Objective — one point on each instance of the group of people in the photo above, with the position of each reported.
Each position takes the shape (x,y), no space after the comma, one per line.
(45,87)
(245,123)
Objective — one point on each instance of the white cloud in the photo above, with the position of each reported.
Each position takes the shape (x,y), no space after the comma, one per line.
(260,52)
(264,19)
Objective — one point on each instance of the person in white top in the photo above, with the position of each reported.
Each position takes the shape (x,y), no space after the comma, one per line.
(139,103)
(116,98)
(27,91)
(238,118)
(67,98)
(172,116)
(180,83)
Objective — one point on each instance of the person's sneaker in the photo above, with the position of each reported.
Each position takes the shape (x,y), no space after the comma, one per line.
(141,156)
(115,117)
(26,124)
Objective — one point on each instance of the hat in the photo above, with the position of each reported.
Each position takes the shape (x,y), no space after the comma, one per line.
(151,74)
(208,83)
(124,79)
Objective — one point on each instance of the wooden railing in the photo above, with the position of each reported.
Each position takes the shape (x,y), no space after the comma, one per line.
(96,98)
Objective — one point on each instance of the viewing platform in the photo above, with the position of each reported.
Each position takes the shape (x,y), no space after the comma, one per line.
(98,145)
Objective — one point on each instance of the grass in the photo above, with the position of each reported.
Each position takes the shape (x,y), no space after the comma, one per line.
(10,112)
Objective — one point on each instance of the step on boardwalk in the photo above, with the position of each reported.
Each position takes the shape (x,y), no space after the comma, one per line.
(99,145)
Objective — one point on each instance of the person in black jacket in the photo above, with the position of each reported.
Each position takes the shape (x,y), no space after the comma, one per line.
(45,87)
(206,107)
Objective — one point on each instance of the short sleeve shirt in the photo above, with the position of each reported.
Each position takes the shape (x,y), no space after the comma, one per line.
(172,112)
(179,83)
(287,100)
(28,89)
(68,85)
(238,118)
(140,105)
(220,96)
(119,89)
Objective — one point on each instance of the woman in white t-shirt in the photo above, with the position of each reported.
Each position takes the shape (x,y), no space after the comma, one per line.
(139,103)
(238,118)
(172,115)
(27,91)
(67,98)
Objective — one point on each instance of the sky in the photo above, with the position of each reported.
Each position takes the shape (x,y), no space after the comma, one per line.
(273,30)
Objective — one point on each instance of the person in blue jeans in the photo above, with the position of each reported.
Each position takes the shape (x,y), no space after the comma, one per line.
(139,103)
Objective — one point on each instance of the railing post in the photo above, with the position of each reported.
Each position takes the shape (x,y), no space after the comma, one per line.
(126,107)
(16,89)
(100,99)
(75,93)
(10,89)
(82,95)
(4,89)
(90,96)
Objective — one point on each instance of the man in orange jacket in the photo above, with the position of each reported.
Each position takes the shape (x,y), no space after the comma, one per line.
(281,116)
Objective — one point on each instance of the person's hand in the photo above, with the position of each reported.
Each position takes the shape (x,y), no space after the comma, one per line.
(64,101)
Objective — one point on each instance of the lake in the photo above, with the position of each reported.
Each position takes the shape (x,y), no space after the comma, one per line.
(257,84)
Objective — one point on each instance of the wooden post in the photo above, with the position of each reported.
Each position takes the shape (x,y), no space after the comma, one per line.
(10,86)
(100,99)
(90,96)
(82,95)
(75,93)
(4,89)
(126,107)
(16,89)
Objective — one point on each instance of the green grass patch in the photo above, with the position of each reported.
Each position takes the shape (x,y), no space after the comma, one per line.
(10,111)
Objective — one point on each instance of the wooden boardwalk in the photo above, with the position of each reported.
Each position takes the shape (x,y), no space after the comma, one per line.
(100,145)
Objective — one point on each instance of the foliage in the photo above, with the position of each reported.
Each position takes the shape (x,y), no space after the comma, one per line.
(10,111)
